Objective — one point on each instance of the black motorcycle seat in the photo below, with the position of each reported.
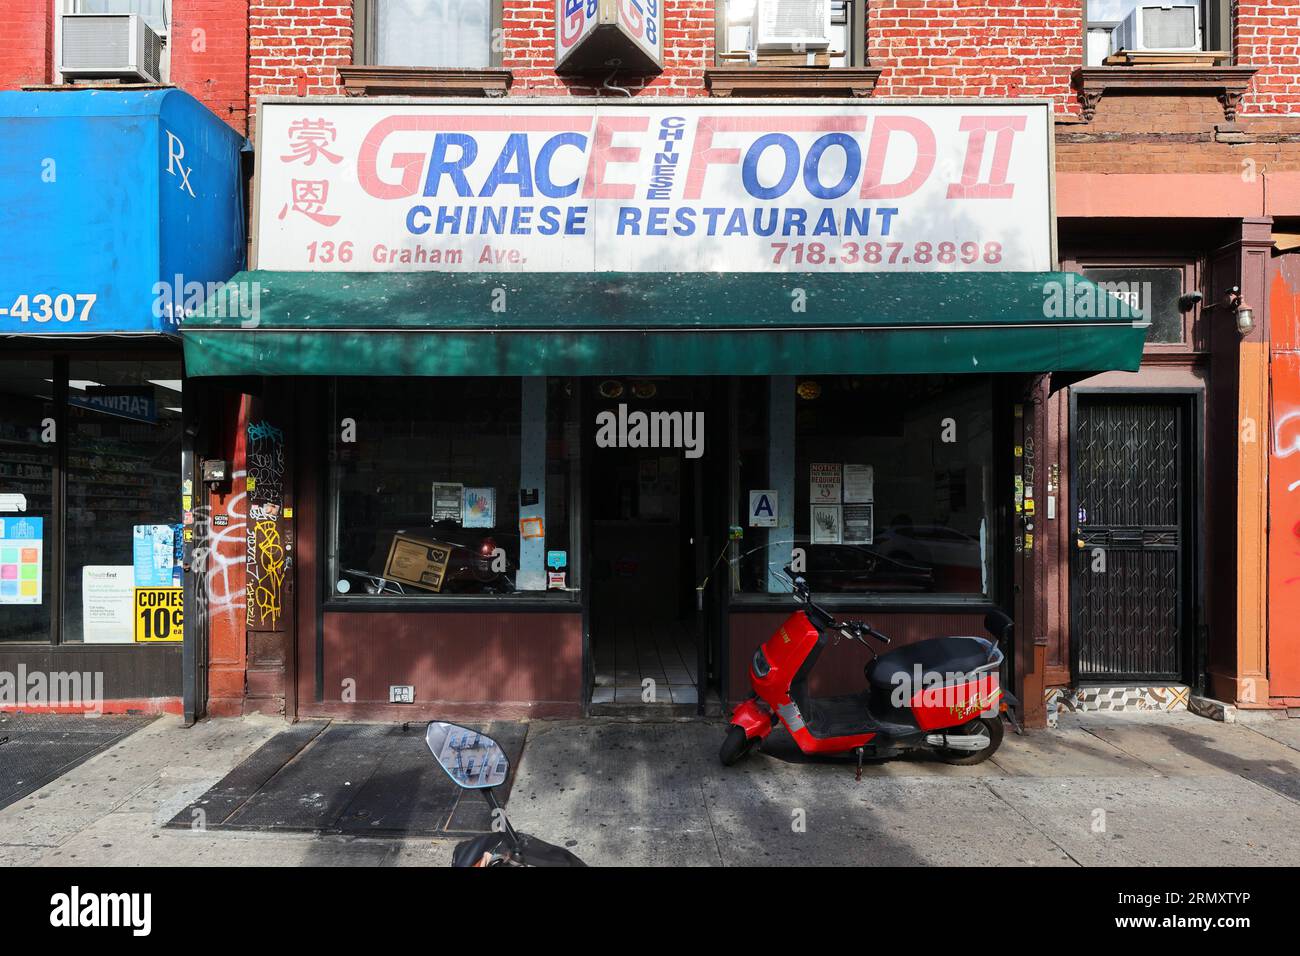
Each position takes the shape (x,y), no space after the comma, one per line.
(941,655)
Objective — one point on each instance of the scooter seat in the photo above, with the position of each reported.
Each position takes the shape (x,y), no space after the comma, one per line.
(937,655)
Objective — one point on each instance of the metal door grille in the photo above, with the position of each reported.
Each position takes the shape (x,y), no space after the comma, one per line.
(1129,491)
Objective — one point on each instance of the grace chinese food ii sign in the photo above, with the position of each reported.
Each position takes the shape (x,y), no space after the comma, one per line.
(682,187)
(592,34)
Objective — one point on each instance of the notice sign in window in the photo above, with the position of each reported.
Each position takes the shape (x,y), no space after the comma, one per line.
(159,615)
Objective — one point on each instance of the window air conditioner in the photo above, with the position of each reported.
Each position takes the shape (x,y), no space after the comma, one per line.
(792,24)
(1165,27)
(116,46)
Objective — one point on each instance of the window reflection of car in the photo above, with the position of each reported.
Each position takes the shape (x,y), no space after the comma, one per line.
(933,545)
(469,566)
(847,568)
(842,568)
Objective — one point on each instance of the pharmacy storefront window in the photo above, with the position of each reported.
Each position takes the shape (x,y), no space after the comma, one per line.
(27,460)
(456,487)
(123,494)
(882,484)
(95,474)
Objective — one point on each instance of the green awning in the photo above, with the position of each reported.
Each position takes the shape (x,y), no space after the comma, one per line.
(428,323)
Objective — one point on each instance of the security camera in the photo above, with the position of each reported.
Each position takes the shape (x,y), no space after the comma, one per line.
(1187,302)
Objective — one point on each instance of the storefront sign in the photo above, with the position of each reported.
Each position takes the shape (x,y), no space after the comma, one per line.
(824,482)
(826,524)
(117,195)
(692,186)
(446,501)
(22,549)
(859,524)
(763,508)
(574,22)
(859,484)
(159,615)
(591,33)
(107,602)
(479,508)
(137,404)
(419,563)
(154,555)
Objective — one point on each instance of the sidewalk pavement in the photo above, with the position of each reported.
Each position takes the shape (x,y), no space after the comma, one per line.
(1103,789)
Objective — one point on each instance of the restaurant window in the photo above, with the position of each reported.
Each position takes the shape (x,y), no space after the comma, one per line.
(453,487)
(450,34)
(1168,27)
(114,440)
(884,484)
(744,38)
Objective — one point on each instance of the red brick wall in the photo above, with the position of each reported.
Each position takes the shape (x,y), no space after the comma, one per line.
(295,46)
(1267,35)
(973,48)
(209,55)
(27,38)
(926,47)
(208,48)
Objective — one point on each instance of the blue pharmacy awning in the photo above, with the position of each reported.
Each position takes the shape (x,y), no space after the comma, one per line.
(117,208)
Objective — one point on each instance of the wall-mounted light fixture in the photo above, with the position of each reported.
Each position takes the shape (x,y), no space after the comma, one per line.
(1245,314)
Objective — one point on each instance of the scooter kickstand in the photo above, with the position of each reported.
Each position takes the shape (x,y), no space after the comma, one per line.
(858,777)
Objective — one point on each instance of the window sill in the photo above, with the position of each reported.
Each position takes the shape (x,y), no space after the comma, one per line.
(1226,83)
(791,80)
(423,81)
(922,603)
(492,603)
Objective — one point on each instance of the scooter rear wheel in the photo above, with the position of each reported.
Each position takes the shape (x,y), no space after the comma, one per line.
(735,746)
(968,758)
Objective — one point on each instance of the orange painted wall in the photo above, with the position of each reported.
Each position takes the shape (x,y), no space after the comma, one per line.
(1284,482)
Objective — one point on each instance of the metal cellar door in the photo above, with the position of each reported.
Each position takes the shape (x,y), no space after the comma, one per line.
(1128,591)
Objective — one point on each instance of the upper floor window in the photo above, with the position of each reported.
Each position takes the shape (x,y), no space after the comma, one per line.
(450,34)
(1167,28)
(792,32)
(154,12)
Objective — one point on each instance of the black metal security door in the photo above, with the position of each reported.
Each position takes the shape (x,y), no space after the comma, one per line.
(1131,505)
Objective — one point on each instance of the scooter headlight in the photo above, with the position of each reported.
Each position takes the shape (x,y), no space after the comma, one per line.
(761,666)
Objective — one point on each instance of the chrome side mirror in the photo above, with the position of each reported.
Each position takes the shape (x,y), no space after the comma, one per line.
(473,760)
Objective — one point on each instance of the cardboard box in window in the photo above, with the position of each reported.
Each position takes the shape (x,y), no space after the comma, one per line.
(417,562)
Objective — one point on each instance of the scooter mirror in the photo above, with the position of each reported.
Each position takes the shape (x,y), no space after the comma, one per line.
(473,760)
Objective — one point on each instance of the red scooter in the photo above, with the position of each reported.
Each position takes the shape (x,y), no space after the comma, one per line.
(943,694)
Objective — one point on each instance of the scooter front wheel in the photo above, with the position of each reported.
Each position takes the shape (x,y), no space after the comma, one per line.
(990,726)
(736,745)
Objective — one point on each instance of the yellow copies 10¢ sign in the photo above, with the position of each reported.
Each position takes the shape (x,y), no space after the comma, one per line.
(159,615)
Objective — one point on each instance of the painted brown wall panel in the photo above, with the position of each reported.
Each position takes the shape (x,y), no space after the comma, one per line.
(458,657)
(840,669)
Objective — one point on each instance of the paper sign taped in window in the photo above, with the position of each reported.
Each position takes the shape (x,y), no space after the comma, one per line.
(419,563)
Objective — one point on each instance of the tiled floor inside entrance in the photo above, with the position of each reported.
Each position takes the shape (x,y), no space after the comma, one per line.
(629,652)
